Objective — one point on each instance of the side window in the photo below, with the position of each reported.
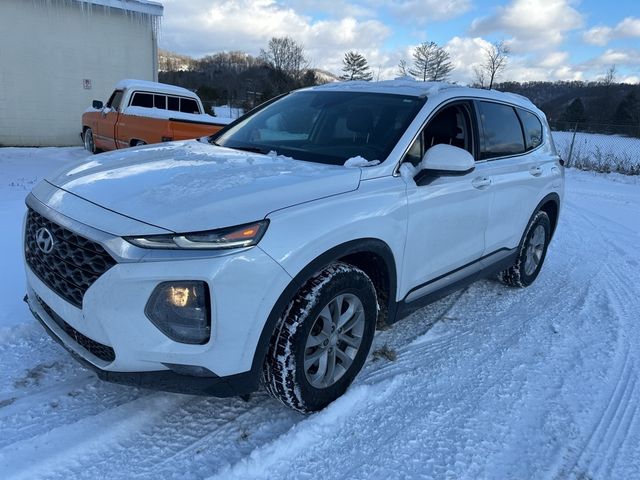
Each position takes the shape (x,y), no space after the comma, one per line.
(502,131)
(115,100)
(532,128)
(451,126)
(160,101)
(142,100)
(173,104)
(188,105)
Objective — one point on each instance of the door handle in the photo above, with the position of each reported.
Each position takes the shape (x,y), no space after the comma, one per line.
(481,183)
(535,171)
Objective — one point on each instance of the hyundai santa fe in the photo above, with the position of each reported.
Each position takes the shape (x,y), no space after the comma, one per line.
(268,253)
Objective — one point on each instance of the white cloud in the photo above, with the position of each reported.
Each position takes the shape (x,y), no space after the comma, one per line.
(554,59)
(468,53)
(618,57)
(532,24)
(537,28)
(201,27)
(422,11)
(601,35)
(631,79)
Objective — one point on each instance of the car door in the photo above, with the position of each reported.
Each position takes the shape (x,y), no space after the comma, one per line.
(516,168)
(447,212)
(106,135)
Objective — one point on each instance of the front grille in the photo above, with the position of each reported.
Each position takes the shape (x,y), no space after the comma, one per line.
(72,265)
(103,352)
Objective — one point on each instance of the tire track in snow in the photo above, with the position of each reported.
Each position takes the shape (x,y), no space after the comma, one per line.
(628,406)
(68,442)
(612,424)
(34,415)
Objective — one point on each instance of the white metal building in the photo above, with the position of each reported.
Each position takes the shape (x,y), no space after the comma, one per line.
(56,56)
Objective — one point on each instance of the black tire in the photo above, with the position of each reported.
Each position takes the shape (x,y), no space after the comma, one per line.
(87,140)
(284,374)
(527,266)
(138,143)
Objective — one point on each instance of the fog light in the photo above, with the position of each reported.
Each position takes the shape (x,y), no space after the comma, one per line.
(181,310)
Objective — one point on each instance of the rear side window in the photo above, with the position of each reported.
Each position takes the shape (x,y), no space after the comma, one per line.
(532,129)
(502,131)
(187,105)
(160,101)
(142,100)
(173,104)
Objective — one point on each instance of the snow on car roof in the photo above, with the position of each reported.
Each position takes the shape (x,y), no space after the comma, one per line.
(411,87)
(140,6)
(400,86)
(129,83)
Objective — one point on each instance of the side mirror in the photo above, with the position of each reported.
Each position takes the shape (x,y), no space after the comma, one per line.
(448,159)
(97,104)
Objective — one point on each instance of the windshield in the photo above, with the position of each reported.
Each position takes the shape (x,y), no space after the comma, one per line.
(325,126)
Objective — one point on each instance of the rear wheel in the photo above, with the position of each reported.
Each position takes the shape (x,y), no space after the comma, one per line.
(322,339)
(531,254)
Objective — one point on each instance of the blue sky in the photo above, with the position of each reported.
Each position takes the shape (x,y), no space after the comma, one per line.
(549,39)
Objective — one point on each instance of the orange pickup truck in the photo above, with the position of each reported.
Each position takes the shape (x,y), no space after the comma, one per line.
(140,112)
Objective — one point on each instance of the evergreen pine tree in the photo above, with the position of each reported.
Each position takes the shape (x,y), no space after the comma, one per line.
(628,111)
(355,67)
(431,63)
(574,113)
(423,57)
(441,66)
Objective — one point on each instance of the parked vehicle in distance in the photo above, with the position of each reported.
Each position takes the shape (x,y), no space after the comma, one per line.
(140,112)
(269,253)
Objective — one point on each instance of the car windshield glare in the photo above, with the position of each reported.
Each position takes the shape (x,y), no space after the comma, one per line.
(326,126)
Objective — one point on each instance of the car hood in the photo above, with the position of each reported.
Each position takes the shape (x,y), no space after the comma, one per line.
(194,186)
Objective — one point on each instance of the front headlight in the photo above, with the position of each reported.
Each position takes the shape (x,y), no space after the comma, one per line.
(245,235)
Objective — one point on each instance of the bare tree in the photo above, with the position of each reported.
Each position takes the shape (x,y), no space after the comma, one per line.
(355,67)
(479,76)
(285,55)
(495,61)
(403,69)
(610,77)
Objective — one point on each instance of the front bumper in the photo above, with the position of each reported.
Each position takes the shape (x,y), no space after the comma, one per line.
(166,380)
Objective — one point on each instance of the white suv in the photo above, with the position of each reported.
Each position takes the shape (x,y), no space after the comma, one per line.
(269,252)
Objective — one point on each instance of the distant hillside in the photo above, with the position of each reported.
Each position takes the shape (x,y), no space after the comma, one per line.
(600,102)
(170,61)
(233,78)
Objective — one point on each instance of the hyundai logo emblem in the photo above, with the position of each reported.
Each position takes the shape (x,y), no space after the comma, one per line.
(44,240)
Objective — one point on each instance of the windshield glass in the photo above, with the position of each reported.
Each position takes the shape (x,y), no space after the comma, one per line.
(325,126)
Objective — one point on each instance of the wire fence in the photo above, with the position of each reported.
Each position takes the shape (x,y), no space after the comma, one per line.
(602,148)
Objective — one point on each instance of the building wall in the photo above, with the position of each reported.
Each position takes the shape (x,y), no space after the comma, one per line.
(47,49)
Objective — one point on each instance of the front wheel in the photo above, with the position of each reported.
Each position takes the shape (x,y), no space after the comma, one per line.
(531,254)
(88,141)
(323,339)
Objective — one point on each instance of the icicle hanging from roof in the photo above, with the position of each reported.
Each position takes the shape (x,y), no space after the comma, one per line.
(143,11)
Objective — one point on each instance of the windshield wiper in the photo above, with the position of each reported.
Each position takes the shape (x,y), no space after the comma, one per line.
(251,149)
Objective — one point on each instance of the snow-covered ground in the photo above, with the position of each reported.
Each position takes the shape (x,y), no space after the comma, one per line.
(491,382)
